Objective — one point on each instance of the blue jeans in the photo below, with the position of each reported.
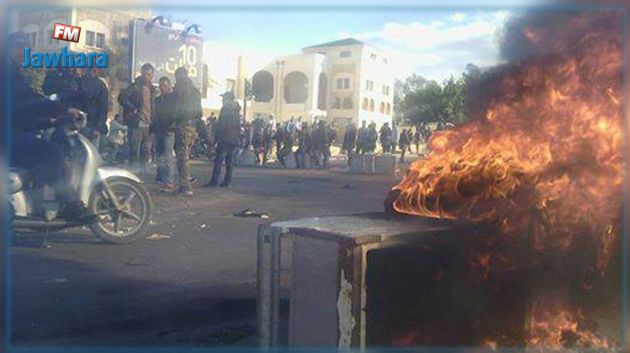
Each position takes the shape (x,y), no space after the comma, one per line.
(165,146)
(225,153)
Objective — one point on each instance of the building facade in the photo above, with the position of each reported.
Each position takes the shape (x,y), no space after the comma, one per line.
(341,81)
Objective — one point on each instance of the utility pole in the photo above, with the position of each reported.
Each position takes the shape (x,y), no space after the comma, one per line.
(246,92)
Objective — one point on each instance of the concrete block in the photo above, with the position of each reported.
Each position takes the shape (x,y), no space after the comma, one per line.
(385,164)
(362,164)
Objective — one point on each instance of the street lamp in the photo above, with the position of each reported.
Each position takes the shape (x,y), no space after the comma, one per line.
(195,27)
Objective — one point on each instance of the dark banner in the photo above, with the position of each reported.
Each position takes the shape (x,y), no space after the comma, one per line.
(167,49)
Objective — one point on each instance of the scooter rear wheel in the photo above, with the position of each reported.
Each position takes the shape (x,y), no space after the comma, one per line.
(130,223)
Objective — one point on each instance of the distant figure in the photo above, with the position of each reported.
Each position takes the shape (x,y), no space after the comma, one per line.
(228,127)
(189,110)
(410,138)
(385,135)
(304,146)
(321,143)
(403,143)
(267,142)
(138,102)
(258,141)
(278,137)
(371,138)
(349,141)
(287,148)
(362,137)
(416,139)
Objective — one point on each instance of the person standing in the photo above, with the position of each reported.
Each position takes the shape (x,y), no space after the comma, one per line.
(188,103)
(95,103)
(362,138)
(416,139)
(321,142)
(304,146)
(268,142)
(228,128)
(349,141)
(163,127)
(138,101)
(410,138)
(403,143)
(278,137)
(385,134)
(371,138)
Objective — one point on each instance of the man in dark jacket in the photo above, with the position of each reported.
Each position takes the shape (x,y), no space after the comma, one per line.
(163,128)
(362,137)
(188,111)
(44,160)
(321,144)
(385,135)
(67,84)
(228,138)
(95,99)
(304,146)
(138,101)
(278,136)
(349,141)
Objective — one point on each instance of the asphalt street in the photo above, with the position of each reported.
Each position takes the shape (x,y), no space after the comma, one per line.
(191,283)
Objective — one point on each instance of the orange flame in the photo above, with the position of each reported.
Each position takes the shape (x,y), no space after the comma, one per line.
(545,159)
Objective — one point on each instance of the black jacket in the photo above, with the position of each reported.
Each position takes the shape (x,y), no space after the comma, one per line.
(30,111)
(131,100)
(228,127)
(68,88)
(165,116)
(95,104)
(188,102)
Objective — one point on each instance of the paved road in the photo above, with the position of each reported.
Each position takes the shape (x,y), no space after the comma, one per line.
(196,288)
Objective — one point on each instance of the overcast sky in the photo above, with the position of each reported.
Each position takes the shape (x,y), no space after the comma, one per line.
(433,42)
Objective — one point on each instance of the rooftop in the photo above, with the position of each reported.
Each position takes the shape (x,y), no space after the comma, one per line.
(336,43)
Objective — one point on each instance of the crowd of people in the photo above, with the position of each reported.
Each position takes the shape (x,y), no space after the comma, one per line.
(164,126)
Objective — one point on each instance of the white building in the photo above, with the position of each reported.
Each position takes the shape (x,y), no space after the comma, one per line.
(341,81)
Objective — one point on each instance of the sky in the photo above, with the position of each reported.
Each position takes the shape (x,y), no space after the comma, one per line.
(433,42)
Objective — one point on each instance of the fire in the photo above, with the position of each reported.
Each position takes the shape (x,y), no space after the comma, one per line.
(545,159)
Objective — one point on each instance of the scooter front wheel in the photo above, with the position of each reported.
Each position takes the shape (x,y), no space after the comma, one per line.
(130,220)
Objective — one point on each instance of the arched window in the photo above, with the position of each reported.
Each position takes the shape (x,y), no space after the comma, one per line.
(322,91)
(382,108)
(388,109)
(365,104)
(262,86)
(295,87)
(347,103)
(371,105)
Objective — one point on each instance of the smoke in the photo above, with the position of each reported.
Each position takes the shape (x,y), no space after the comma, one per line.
(548,33)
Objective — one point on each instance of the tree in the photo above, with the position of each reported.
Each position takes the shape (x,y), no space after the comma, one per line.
(432,102)
(402,88)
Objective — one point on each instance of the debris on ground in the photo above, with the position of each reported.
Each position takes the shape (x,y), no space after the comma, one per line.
(156,236)
(251,213)
(203,226)
(349,187)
